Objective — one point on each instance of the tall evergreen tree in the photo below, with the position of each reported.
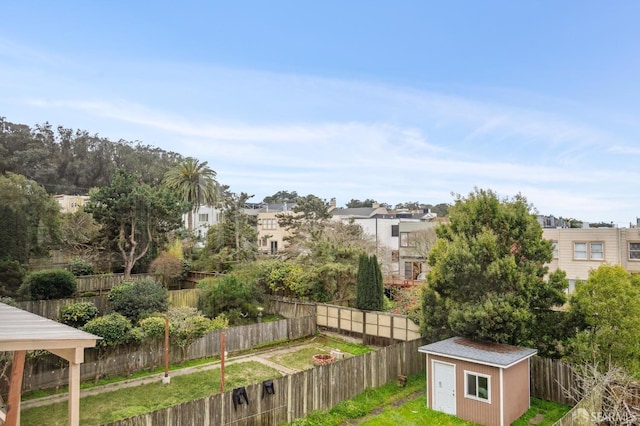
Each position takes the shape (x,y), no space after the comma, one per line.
(487,279)
(361,281)
(370,290)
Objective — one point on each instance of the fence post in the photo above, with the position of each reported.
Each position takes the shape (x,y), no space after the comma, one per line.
(289,399)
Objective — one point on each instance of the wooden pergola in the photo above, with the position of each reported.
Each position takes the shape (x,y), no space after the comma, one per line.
(22,331)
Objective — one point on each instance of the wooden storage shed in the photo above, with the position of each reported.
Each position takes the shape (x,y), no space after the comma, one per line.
(485,383)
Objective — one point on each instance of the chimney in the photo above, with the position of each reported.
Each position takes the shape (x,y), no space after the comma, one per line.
(332,203)
(375,205)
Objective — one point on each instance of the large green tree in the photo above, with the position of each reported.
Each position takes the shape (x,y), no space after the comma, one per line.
(330,259)
(195,183)
(281,197)
(134,216)
(606,308)
(305,221)
(67,161)
(487,279)
(33,218)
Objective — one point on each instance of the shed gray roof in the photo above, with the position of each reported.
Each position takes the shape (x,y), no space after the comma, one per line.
(22,330)
(493,354)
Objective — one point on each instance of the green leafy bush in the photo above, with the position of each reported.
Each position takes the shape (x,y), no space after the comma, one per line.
(47,285)
(227,295)
(153,327)
(79,267)
(11,275)
(8,301)
(138,299)
(113,328)
(78,314)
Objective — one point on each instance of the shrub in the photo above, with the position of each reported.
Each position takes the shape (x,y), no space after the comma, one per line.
(79,266)
(152,327)
(137,299)
(11,274)
(78,314)
(226,295)
(46,285)
(169,266)
(8,301)
(113,328)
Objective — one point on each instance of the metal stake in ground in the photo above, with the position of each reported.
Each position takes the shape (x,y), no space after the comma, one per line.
(166,379)
(222,353)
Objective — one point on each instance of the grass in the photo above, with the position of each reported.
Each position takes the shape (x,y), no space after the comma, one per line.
(344,346)
(301,359)
(364,403)
(34,394)
(551,411)
(127,402)
(414,413)
(115,379)
(365,409)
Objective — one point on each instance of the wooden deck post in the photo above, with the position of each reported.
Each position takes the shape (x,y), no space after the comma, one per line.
(15,388)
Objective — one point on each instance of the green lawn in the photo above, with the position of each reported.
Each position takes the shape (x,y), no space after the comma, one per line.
(414,413)
(390,405)
(551,411)
(301,359)
(128,402)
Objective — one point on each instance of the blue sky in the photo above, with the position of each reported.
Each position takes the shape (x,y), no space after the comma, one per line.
(395,101)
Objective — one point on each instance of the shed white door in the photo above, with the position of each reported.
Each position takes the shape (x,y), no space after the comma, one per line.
(444,387)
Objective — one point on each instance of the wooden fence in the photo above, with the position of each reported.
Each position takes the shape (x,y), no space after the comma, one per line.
(551,380)
(375,328)
(51,308)
(290,308)
(186,297)
(100,284)
(296,395)
(50,371)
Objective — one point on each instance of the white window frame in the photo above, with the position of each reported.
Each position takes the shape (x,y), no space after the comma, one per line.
(636,251)
(269,224)
(203,217)
(467,374)
(585,251)
(556,249)
(592,252)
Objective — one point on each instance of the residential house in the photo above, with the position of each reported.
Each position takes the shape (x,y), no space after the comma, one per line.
(270,234)
(204,217)
(399,238)
(70,203)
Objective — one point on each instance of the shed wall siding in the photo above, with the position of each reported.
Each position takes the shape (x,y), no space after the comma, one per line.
(516,395)
(470,409)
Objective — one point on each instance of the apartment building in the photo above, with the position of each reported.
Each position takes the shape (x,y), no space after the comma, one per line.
(579,250)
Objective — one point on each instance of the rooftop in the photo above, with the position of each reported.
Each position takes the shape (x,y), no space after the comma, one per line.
(494,354)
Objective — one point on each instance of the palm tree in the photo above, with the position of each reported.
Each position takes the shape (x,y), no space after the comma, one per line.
(195,183)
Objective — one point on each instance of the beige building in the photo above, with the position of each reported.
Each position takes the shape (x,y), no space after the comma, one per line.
(579,250)
(70,203)
(270,234)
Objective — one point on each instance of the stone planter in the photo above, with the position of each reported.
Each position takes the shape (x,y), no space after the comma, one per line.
(322,359)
